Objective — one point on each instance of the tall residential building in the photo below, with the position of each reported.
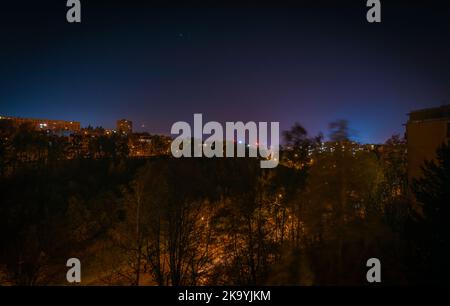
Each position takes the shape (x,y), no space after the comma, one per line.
(426,130)
(54,126)
(124,127)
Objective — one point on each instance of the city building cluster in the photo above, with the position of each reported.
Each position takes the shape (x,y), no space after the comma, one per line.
(426,130)
(89,140)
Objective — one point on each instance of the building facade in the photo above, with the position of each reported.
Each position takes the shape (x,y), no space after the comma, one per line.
(124,127)
(426,130)
(55,126)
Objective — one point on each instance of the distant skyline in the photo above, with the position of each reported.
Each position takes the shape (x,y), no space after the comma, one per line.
(307,61)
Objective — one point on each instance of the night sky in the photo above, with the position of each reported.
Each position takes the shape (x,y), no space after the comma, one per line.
(160,62)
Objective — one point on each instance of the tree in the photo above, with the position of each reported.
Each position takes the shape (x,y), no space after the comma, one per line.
(432,191)
(166,232)
(342,185)
(339,130)
(7,156)
(392,202)
(298,147)
(393,158)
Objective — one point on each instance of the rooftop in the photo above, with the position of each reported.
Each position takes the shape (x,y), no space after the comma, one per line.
(430,113)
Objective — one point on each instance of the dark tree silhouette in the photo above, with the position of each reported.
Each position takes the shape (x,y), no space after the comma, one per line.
(339,130)
(432,191)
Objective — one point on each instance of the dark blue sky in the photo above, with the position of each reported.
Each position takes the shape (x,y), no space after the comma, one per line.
(311,62)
